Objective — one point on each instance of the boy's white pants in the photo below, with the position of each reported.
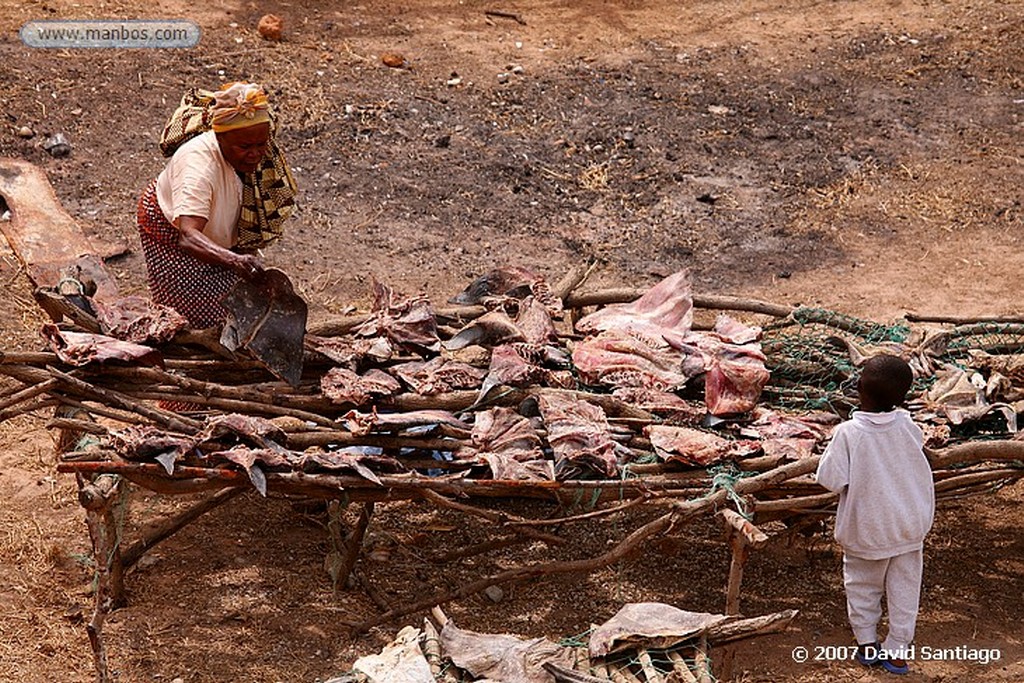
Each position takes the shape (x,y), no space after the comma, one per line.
(899,578)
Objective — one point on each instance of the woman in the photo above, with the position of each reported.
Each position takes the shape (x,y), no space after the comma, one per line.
(222,195)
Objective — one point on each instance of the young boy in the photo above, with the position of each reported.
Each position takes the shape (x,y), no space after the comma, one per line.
(876,463)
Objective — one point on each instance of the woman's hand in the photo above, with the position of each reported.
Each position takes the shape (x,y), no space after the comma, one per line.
(247,266)
(193,241)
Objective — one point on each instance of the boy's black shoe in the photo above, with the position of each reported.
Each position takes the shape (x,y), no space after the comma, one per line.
(867,654)
(896,666)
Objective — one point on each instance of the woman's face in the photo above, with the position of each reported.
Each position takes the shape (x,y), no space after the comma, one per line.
(244,148)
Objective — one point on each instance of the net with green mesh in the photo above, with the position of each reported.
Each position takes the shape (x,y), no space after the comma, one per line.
(991,337)
(811,354)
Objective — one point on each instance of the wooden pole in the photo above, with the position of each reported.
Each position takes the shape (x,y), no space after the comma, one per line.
(354,544)
(680,667)
(647,666)
(97,499)
(168,527)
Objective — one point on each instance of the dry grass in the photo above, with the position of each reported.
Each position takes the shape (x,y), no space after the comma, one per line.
(41,594)
(594,177)
(843,191)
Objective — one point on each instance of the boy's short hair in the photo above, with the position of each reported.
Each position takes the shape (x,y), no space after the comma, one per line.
(886,379)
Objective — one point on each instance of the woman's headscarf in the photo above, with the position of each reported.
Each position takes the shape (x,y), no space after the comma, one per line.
(239,105)
(268,194)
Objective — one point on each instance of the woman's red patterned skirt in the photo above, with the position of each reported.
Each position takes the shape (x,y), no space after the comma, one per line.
(176,278)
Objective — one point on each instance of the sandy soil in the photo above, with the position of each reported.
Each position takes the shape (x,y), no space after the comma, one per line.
(860,156)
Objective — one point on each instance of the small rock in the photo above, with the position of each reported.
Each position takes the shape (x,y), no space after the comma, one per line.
(393,59)
(379,555)
(147,561)
(443,142)
(271,27)
(518,69)
(57,146)
(494,593)
(719,110)
(629,139)
(454,80)
(179,679)
(503,77)
(75,614)
(25,132)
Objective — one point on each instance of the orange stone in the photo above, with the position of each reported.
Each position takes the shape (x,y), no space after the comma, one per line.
(270,27)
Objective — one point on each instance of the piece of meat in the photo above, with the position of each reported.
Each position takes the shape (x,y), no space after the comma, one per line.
(652,624)
(733,331)
(670,407)
(364,423)
(344,386)
(491,329)
(734,379)
(318,460)
(505,287)
(512,366)
(145,442)
(771,424)
(534,321)
(665,308)
(82,348)
(512,282)
(251,459)
(789,447)
(248,429)
(407,323)
(735,373)
(350,352)
(245,457)
(619,359)
(438,376)
(139,320)
(505,466)
(499,657)
(504,431)
(696,447)
(579,434)
(532,325)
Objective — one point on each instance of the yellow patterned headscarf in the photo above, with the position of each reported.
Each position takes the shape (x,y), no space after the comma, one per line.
(268,194)
(239,105)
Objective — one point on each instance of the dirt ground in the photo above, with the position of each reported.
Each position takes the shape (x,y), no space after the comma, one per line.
(860,156)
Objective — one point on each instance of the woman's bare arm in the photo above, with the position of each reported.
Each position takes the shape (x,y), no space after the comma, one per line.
(197,244)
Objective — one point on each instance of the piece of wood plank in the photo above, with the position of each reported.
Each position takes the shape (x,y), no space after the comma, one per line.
(42,235)
(680,667)
(753,536)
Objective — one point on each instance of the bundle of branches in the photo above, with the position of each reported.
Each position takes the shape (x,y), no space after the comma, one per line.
(644,642)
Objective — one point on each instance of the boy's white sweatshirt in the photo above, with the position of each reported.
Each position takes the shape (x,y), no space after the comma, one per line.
(886,492)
